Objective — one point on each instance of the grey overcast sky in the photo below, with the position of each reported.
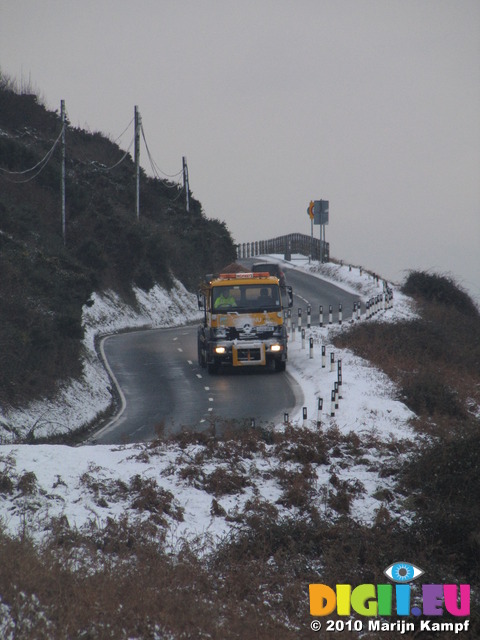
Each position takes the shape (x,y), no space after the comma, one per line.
(373,105)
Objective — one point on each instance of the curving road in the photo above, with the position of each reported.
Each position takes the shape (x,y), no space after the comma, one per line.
(309,289)
(163,390)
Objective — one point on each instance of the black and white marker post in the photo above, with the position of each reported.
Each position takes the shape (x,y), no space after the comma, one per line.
(319,412)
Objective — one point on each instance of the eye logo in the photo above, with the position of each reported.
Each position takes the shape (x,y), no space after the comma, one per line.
(403,572)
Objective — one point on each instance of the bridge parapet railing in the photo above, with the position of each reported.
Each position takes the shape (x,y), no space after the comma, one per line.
(287,244)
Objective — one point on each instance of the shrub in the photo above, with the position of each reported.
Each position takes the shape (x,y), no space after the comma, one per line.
(444,478)
(441,289)
(427,394)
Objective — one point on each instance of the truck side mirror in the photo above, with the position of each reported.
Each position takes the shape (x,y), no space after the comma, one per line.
(200,300)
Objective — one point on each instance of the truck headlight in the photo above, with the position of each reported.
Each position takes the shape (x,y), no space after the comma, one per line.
(276,347)
(220,350)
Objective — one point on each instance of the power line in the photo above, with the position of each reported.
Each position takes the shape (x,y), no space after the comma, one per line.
(127,127)
(155,168)
(97,162)
(119,162)
(42,164)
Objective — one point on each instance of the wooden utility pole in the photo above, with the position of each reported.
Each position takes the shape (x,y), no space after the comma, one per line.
(138,124)
(64,226)
(185,184)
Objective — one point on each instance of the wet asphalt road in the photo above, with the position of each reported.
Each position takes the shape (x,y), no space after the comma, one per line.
(162,388)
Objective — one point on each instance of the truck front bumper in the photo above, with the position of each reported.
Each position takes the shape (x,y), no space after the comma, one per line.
(249,353)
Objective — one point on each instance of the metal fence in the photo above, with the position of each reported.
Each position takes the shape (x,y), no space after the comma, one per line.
(291,243)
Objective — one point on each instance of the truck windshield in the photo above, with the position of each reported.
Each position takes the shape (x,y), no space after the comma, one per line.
(246,297)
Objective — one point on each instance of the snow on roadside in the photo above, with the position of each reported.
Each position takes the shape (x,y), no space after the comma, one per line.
(88,484)
(80,402)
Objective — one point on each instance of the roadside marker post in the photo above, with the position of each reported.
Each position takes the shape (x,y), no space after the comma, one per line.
(319,412)
(339,378)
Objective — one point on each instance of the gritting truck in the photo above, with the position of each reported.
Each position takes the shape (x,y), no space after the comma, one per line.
(243,323)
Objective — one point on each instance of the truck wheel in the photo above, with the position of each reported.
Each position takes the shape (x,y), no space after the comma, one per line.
(280,365)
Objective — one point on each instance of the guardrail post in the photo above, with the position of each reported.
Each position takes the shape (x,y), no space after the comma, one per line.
(320,315)
(340,314)
(332,405)
(299,321)
(309,316)
(339,378)
(330,314)
(319,412)
(324,356)
(311,347)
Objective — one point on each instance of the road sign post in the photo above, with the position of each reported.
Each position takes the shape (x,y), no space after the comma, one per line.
(318,212)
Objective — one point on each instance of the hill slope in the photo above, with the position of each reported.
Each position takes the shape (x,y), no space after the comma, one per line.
(44,284)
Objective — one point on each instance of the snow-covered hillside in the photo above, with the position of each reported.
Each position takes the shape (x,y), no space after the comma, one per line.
(88,484)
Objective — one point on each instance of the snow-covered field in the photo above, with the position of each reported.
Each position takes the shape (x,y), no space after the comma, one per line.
(89,484)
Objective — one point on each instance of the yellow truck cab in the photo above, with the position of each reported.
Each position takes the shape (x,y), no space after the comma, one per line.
(243,323)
